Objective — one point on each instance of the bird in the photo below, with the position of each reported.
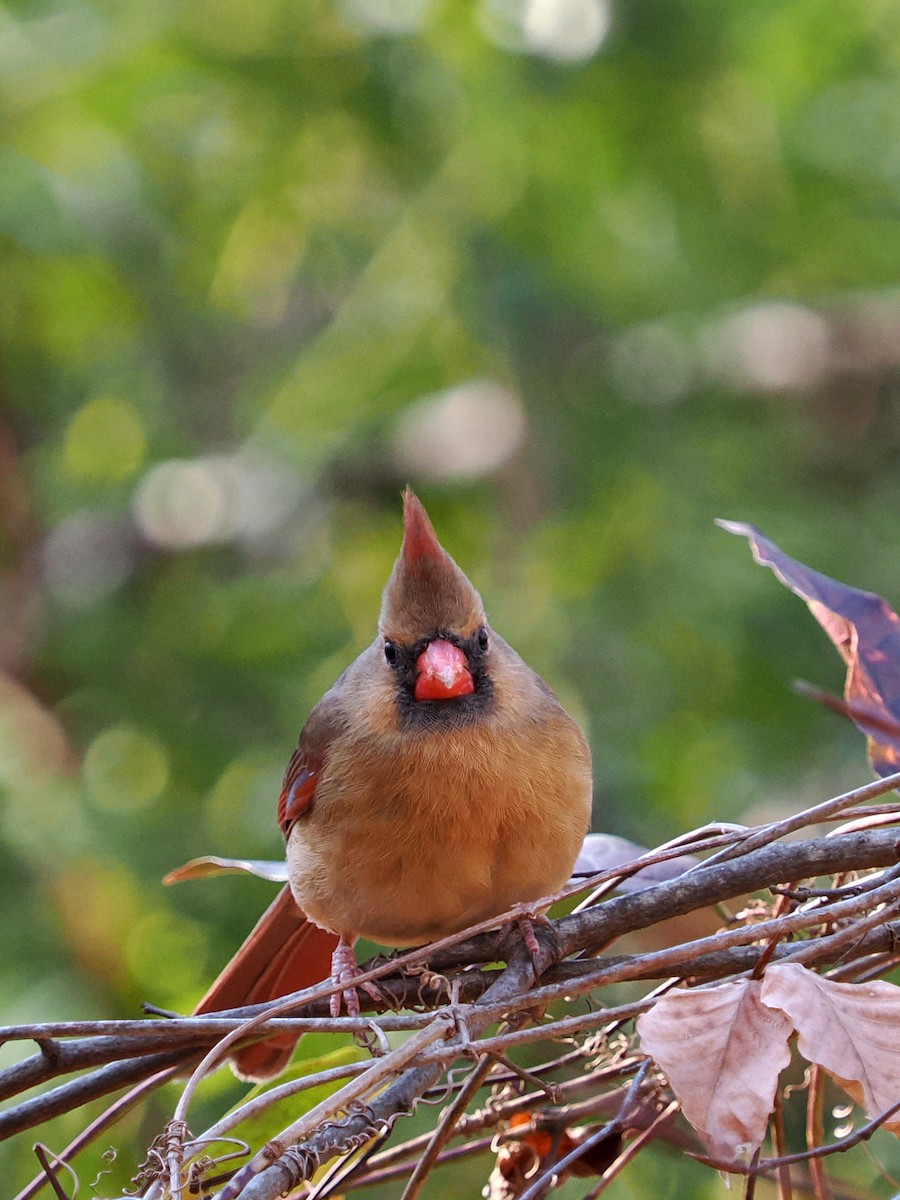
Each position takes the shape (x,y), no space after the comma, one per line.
(436,784)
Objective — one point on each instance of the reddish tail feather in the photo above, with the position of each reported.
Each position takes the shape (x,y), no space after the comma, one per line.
(284,953)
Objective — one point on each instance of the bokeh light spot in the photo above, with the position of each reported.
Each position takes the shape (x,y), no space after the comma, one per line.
(774,346)
(87,556)
(257,265)
(185,503)
(125,770)
(180,504)
(105,441)
(564,30)
(567,30)
(465,432)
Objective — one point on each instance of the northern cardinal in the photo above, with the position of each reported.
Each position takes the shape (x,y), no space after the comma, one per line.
(437,783)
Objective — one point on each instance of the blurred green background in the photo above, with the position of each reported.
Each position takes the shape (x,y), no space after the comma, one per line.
(587,273)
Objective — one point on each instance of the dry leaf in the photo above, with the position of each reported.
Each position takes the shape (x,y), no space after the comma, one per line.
(722,1050)
(211,864)
(852,1030)
(606,851)
(866,632)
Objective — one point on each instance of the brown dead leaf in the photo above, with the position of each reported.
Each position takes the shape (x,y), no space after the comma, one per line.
(866,632)
(722,1050)
(849,1029)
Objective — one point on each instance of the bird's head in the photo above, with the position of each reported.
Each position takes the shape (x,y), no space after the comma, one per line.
(433,630)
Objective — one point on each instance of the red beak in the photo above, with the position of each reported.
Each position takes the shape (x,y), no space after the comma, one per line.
(442,672)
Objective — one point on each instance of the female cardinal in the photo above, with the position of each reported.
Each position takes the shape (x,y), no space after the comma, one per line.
(438,783)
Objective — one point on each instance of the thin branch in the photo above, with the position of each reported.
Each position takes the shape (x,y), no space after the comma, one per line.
(811,1155)
(274,1095)
(445,1128)
(68,1096)
(250,1180)
(616,1125)
(785,1192)
(41,1153)
(809,816)
(633,1149)
(111,1115)
(706,885)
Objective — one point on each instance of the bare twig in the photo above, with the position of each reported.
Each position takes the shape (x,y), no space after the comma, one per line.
(811,1155)
(294,1167)
(785,1191)
(633,1148)
(616,1125)
(43,1157)
(445,1128)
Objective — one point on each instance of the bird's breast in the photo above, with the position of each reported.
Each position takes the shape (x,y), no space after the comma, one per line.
(419,838)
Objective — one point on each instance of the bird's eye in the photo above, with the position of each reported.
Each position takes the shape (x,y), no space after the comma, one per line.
(390,653)
(482,638)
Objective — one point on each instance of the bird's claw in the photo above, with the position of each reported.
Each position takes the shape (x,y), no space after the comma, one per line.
(344,971)
(540,956)
(533,946)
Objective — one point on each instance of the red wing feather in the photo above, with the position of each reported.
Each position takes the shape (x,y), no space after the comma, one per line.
(284,953)
(299,787)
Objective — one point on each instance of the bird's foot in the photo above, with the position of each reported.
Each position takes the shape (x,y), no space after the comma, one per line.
(541,956)
(526,928)
(344,970)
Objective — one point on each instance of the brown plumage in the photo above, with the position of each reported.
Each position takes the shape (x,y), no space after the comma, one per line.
(436,784)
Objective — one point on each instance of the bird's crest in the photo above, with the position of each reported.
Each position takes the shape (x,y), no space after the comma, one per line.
(426,591)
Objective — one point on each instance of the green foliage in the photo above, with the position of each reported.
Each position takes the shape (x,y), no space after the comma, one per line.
(240,244)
